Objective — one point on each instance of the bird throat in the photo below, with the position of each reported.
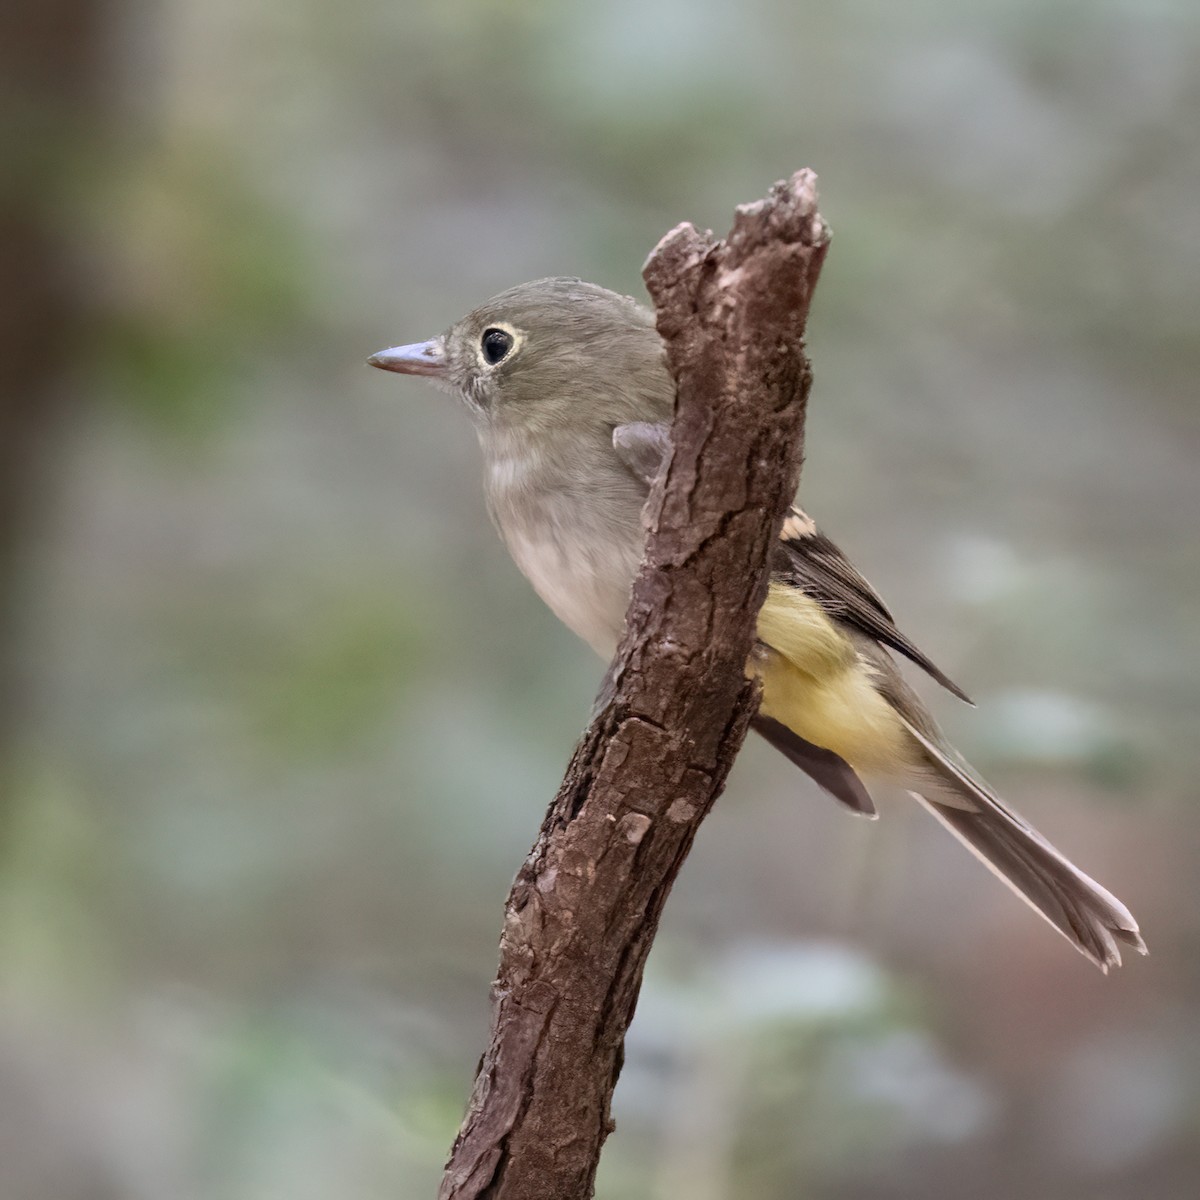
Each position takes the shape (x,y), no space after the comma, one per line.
(572,524)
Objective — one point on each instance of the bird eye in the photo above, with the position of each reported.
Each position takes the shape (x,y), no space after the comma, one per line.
(496,344)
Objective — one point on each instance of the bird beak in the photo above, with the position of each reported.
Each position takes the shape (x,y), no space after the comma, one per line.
(421,358)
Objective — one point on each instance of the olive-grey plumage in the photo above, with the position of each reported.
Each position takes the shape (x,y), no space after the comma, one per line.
(571,398)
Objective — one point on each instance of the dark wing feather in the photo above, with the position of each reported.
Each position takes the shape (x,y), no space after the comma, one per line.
(825,768)
(810,561)
(805,558)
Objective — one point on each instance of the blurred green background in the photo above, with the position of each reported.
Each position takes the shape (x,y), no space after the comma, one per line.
(278,718)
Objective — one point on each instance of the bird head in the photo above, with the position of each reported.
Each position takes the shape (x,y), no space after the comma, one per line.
(545,354)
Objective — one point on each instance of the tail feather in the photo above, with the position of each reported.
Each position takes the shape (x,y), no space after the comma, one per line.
(1091,918)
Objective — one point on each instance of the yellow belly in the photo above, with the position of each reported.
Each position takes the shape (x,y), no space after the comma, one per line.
(816,685)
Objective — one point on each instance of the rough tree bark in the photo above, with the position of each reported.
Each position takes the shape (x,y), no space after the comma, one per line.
(585,906)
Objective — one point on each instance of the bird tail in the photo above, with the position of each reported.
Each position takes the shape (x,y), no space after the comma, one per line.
(1091,918)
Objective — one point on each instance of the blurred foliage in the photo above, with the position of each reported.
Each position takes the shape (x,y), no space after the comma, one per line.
(202,280)
(310,683)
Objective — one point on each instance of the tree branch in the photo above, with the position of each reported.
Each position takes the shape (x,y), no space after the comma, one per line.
(585,906)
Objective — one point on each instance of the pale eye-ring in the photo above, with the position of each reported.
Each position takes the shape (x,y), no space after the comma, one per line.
(496,345)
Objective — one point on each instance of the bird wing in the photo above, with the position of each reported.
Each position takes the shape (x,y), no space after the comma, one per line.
(642,446)
(806,558)
(828,770)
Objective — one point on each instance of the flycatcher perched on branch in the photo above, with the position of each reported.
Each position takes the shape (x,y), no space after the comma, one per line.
(570,394)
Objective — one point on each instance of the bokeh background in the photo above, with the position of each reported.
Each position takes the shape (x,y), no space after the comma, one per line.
(278,718)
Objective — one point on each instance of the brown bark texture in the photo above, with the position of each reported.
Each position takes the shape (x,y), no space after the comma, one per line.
(584,908)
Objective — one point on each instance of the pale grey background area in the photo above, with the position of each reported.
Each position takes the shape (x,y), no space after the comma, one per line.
(294,717)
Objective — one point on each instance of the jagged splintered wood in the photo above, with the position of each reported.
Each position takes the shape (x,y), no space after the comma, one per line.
(584,908)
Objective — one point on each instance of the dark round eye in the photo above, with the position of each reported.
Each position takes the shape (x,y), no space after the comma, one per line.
(496,344)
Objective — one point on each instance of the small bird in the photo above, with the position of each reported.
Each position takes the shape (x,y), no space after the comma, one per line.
(569,392)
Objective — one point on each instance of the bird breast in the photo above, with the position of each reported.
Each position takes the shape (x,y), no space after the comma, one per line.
(577,540)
